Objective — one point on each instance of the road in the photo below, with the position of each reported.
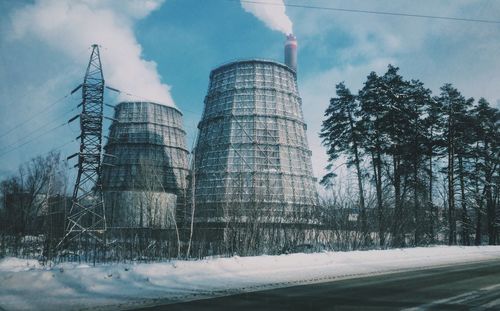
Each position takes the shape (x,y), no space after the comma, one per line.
(460,287)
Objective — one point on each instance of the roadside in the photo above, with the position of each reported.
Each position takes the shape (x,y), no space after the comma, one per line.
(458,287)
(26,286)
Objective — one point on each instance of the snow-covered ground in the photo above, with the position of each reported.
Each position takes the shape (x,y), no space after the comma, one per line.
(25,285)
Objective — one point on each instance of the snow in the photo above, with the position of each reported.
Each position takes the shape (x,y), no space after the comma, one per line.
(15,264)
(25,285)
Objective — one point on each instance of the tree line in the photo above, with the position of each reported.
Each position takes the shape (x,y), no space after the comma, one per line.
(426,167)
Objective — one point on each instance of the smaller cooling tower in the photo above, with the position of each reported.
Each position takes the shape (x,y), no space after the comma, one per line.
(144,175)
(291,52)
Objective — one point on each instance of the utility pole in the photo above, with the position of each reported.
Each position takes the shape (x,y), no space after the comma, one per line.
(86,220)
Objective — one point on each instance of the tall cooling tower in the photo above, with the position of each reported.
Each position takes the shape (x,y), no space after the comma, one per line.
(144,176)
(252,162)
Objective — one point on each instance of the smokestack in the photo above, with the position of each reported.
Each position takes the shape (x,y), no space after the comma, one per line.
(291,51)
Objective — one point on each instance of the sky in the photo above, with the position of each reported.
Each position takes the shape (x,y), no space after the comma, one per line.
(164,51)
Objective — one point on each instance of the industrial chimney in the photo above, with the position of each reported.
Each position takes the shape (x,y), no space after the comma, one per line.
(291,52)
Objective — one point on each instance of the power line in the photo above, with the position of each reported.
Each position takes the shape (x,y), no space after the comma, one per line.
(48,107)
(303,6)
(35,114)
(59,147)
(63,145)
(31,140)
(36,130)
(54,149)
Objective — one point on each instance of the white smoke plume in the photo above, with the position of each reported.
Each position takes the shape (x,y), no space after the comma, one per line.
(271,12)
(72,26)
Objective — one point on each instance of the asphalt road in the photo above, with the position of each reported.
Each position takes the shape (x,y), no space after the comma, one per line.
(460,287)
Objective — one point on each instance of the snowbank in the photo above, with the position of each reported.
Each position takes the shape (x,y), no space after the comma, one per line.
(16,264)
(24,285)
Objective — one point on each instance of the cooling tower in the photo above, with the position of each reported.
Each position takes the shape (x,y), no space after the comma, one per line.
(252,162)
(144,173)
(291,52)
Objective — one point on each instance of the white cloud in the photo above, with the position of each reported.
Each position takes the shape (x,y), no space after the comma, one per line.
(272,13)
(434,51)
(73,26)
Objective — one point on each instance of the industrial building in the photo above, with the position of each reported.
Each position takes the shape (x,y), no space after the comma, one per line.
(145,166)
(252,162)
(251,174)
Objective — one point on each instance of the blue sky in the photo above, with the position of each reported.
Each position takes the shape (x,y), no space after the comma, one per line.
(175,43)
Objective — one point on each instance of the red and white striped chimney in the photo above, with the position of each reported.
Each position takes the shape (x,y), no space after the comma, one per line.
(291,51)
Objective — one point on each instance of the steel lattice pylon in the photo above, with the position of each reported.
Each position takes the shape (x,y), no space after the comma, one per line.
(86,218)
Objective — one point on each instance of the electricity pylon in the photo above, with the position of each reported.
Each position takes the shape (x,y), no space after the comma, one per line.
(86,219)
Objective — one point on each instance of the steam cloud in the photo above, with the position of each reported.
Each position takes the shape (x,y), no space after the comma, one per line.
(272,13)
(73,26)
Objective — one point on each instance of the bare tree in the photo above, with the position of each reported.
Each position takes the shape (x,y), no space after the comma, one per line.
(25,194)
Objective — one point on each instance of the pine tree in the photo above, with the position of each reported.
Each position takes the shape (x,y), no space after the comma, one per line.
(396,126)
(373,101)
(464,142)
(433,144)
(454,107)
(487,163)
(418,99)
(341,135)
(406,134)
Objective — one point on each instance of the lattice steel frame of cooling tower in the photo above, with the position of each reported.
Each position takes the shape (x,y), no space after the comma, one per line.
(146,138)
(252,159)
